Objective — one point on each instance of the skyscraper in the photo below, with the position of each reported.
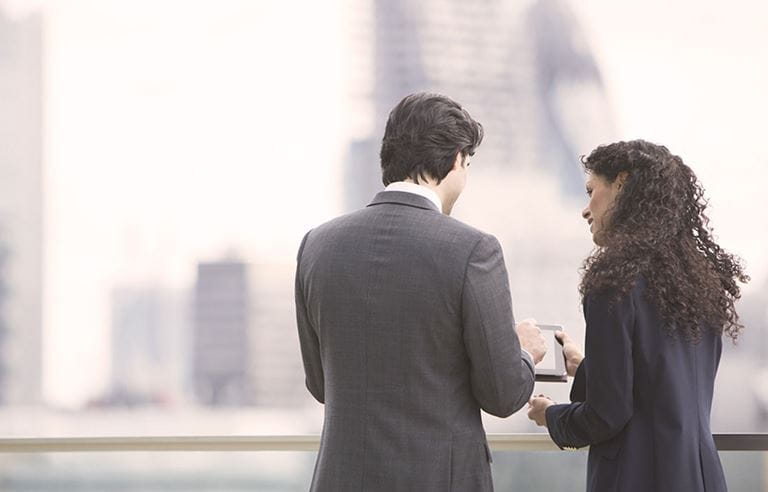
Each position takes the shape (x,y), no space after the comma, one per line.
(221,347)
(523,68)
(277,371)
(3,326)
(21,215)
(149,345)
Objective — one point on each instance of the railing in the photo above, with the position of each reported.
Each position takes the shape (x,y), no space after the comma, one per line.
(497,442)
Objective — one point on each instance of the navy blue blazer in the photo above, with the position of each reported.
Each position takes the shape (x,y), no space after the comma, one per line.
(641,401)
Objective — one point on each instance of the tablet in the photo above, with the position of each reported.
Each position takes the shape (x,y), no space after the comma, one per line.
(552,367)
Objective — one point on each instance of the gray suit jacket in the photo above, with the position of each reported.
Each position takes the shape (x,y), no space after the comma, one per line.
(406,331)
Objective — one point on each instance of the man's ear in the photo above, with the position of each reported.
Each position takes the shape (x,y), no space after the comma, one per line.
(458,163)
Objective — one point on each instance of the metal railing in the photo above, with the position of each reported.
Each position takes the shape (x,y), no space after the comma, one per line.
(497,442)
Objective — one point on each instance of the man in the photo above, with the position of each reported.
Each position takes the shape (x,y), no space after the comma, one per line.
(405,321)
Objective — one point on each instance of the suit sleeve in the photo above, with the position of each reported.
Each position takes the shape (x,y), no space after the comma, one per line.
(502,377)
(579,386)
(606,377)
(308,339)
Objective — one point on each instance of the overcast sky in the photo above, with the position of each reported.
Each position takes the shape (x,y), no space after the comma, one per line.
(179,131)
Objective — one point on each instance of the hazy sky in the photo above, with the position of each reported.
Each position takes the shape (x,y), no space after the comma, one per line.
(177,134)
(179,131)
(691,75)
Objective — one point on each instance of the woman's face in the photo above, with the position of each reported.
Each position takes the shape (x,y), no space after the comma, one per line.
(602,195)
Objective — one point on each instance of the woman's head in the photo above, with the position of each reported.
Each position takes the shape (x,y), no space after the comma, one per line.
(647,215)
(637,188)
(602,195)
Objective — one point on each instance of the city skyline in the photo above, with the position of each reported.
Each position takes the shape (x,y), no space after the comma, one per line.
(166,152)
(160,162)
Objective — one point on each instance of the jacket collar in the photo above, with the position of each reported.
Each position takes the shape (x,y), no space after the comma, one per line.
(403,198)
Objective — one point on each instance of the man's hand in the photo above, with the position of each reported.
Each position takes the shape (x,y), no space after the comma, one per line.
(531,339)
(537,409)
(571,351)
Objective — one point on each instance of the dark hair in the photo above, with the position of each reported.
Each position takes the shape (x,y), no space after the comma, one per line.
(658,228)
(423,135)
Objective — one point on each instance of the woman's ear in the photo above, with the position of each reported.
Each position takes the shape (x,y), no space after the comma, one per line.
(621,178)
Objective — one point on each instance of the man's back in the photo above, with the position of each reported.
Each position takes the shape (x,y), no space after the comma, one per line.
(406,329)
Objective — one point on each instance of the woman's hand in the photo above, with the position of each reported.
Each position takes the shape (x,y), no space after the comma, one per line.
(537,409)
(572,352)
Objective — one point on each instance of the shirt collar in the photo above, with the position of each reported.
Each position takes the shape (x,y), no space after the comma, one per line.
(417,190)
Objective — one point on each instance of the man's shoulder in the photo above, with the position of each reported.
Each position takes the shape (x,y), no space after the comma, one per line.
(349,219)
(428,223)
(468,232)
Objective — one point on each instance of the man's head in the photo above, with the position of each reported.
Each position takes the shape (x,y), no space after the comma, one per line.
(428,140)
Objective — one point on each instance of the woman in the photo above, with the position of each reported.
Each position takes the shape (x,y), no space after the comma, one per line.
(658,294)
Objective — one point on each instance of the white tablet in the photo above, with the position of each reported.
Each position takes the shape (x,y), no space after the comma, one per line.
(552,367)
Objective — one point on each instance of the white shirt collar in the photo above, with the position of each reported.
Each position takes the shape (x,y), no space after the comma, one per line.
(417,190)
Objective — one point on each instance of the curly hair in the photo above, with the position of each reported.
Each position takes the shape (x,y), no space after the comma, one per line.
(657,227)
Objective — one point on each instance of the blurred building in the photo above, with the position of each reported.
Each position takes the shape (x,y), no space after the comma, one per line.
(277,370)
(21,216)
(743,373)
(221,346)
(149,346)
(753,312)
(523,68)
(362,173)
(245,344)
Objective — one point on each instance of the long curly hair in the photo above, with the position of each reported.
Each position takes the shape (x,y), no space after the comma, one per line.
(657,227)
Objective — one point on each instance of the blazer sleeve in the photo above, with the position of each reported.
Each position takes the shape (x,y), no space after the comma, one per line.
(308,339)
(607,374)
(579,386)
(502,377)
